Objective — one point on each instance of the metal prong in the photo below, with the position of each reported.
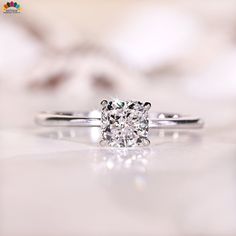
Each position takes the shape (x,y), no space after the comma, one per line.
(144,141)
(104,102)
(147,105)
(103,143)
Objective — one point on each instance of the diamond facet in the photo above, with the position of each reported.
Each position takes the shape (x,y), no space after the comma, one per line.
(125,123)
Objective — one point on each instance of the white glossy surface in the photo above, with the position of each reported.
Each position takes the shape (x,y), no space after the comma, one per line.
(60,182)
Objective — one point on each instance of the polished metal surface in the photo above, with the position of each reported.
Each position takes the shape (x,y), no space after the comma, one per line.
(93,119)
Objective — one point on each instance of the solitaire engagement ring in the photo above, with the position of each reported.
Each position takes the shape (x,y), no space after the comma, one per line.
(123,123)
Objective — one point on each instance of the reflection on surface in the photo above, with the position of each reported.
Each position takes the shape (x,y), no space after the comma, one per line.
(122,158)
(92,136)
(126,165)
(80,134)
(126,168)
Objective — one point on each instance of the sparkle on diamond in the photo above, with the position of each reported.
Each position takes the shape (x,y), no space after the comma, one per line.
(124,123)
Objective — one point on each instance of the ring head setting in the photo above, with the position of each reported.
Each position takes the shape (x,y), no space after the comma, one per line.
(124,123)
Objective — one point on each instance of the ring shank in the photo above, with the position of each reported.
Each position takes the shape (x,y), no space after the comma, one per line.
(93,119)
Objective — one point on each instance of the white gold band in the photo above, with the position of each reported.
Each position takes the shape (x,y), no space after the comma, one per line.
(93,119)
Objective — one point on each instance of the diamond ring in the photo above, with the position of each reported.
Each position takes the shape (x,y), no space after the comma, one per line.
(123,123)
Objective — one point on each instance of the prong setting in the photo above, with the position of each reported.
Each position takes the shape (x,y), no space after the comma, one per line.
(104,103)
(144,141)
(147,105)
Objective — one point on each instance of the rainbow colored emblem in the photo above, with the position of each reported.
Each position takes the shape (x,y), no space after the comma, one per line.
(11,7)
